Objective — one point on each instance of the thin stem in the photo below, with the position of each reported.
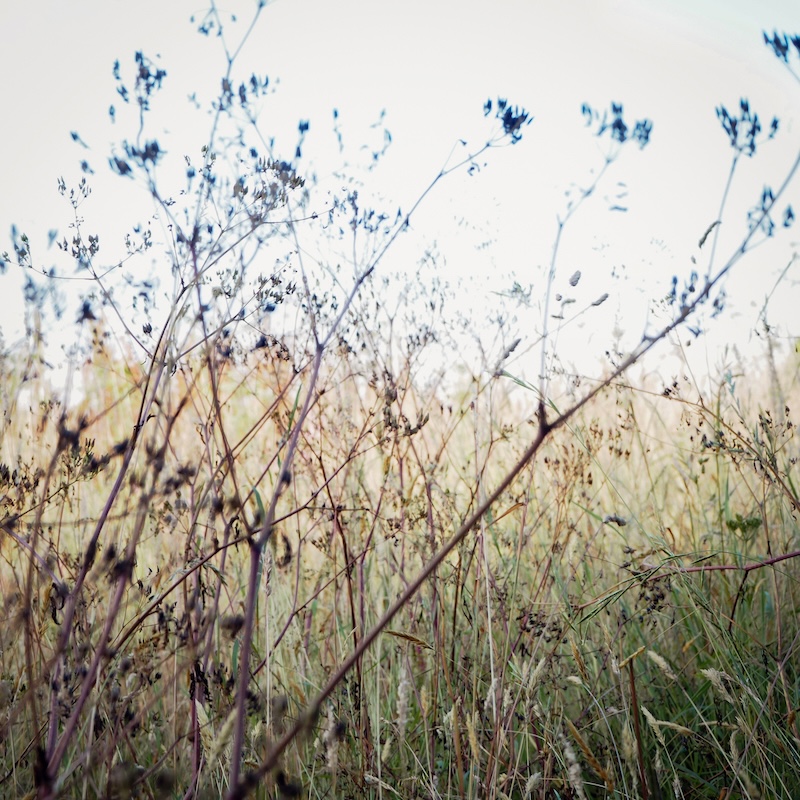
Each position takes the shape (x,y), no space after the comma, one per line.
(544,428)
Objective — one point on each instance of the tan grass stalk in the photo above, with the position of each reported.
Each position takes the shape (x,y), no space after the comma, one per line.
(624,663)
(591,759)
(576,655)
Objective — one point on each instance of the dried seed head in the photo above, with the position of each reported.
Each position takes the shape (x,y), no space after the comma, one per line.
(661,663)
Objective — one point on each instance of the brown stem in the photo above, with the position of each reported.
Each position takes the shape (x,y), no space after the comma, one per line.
(638,731)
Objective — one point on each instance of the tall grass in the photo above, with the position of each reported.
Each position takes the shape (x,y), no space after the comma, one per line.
(623,623)
(255,559)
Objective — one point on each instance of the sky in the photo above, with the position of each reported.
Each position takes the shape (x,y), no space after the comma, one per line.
(428,67)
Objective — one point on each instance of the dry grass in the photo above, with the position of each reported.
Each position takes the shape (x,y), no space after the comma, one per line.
(557,652)
(275,550)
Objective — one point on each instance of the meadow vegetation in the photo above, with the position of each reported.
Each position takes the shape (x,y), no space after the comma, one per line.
(274,560)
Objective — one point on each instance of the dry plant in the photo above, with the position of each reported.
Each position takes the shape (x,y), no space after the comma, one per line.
(270,551)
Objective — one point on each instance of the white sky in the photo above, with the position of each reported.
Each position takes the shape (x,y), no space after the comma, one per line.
(431,65)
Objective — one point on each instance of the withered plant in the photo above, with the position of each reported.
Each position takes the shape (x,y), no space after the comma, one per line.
(275,543)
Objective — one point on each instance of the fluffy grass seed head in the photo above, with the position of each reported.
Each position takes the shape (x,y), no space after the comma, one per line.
(402,706)
(574,771)
(716,677)
(508,700)
(221,748)
(654,724)
(331,740)
(386,750)
(489,702)
(532,784)
(206,731)
(447,720)
(535,677)
(661,663)
(472,736)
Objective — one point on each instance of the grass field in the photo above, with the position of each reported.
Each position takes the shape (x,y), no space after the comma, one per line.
(275,539)
(622,623)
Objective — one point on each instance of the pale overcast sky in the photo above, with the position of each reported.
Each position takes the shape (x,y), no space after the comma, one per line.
(430,66)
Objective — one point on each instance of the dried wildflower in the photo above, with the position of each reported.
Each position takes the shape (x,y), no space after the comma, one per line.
(373,780)
(658,764)
(745,727)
